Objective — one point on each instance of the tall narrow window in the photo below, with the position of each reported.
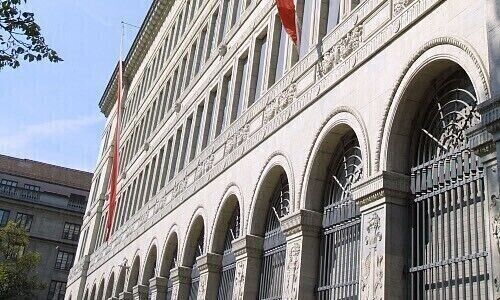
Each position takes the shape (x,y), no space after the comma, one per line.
(175,155)
(196,131)
(211,36)
(236,11)
(258,69)
(166,162)
(182,79)
(208,118)
(150,181)
(185,142)
(329,16)
(224,99)
(305,9)
(240,87)
(158,171)
(278,56)
(201,48)
(173,86)
(190,64)
(273,257)
(223,20)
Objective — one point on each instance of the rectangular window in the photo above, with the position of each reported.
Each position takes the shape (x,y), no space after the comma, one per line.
(189,72)
(196,131)
(4,217)
(258,69)
(24,221)
(240,87)
(305,12)
(175,155)
(175,83)
(236,11)
(278,55)
(150,180)
(166,162)
(64,260)
(31,191)
(224,100)
(182,80)
(201,47)
(71,231)
(143,188)
(11,183)
(158,171)
(185,142)
(223,20)
(57,290)
(208,118)
(211,40)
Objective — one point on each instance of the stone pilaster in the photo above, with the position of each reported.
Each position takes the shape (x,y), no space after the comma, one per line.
(210,266)
(301,230)
(181,277)
(158,288)
(383,200)
(140,292)
(248,251)
(484,139)
(126,296)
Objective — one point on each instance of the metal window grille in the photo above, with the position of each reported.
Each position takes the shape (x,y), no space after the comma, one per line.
(273,259)
(225,291)
(195,273)
(448,239)
(341,229)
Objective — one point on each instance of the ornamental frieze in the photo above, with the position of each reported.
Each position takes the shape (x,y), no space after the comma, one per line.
(277,104)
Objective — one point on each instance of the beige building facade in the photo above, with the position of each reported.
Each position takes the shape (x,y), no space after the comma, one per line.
(360,165)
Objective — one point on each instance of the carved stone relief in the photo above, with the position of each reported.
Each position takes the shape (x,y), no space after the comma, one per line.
(239,281)
(204,165)
(237,139)
(400,5)
(340,51)
(203,286)
(372,270)
(277,104)
(179,187)
(292,271)
(495,207)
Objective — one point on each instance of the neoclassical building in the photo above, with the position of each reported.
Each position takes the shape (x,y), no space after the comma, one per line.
(360,165)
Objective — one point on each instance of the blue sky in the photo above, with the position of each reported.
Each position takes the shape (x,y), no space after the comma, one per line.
(50,111)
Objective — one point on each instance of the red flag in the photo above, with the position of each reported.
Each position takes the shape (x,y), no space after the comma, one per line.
(113,179)
(286,11)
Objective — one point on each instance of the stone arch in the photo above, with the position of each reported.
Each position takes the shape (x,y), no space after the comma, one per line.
(133,277)
(196,228)
(341,121)
(100,290)
(230,201)
(120,283)
(150,264)
(276,166)
(169,251)
(109,288)
(434,57)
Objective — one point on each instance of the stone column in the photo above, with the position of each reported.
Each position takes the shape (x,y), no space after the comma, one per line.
(248,251)
(140,292)
(485,141)
(302,245)
(158,287)
(126,296)
(383,201)
(209,265)
(181,277)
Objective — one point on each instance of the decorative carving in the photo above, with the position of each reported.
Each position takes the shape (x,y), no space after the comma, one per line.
(340,51)
(293,272)
(203,286)
(239,281)
(277,104)
(222,49)
(495,205)
(204,165)
(237,139)
(372,263)
(400,5)
(179,187)
(175,291)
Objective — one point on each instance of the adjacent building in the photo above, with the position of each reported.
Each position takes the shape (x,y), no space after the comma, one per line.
(361,164)
(49,202)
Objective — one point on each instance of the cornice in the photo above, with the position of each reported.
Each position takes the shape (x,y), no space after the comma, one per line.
(156,15)
(383,184)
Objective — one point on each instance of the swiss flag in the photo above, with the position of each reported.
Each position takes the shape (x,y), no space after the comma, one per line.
(286,10)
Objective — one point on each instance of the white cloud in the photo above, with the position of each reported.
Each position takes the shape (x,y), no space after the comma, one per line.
(50,129)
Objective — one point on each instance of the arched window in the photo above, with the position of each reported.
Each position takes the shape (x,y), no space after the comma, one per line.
(170,284)
(273,257)
(226,284)
(449,250)
(341,227)
(195,272)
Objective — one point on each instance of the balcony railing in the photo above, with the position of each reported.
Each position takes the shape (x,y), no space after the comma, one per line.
(60,201)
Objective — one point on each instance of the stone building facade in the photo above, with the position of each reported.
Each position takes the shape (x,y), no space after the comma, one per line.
(361,164)
(49,202)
